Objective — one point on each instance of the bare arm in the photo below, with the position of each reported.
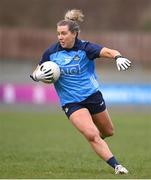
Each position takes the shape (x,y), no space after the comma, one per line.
(109,53)
(121,62)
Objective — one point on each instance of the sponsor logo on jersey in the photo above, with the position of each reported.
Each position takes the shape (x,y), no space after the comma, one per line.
(70,69)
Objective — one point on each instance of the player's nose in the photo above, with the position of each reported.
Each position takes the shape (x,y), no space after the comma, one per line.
(60,37)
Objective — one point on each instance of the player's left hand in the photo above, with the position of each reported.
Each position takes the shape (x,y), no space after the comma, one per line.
(122,63)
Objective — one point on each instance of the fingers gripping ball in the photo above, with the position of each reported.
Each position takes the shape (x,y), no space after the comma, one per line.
(48,72)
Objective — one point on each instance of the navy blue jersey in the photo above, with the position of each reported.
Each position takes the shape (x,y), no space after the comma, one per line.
(78,79)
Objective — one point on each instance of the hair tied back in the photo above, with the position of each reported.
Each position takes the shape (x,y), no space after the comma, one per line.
(74,15)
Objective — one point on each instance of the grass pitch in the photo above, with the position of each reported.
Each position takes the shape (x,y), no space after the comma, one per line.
(46,145)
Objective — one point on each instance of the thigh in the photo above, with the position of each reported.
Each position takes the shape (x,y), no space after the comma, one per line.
(103,123)
(82,120)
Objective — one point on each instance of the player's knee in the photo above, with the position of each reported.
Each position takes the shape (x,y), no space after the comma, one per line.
(93,136)
(109,132)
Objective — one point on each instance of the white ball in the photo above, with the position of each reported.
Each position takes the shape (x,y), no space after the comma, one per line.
(49,65)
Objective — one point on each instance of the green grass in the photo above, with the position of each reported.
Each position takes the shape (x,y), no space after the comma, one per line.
(46,145)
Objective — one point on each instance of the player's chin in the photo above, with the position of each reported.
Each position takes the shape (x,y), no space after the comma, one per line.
(63,45)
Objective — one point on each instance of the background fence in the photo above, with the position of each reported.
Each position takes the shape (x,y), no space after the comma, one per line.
(19,43)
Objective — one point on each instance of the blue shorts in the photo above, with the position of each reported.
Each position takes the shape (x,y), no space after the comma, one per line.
(94,103)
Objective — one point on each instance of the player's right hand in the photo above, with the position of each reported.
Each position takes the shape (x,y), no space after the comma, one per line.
(39,75)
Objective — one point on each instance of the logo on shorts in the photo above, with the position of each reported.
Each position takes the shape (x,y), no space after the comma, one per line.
(66,109)
(102,103)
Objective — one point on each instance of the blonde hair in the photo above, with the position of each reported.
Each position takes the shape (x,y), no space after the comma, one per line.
(74,15)
(71,19)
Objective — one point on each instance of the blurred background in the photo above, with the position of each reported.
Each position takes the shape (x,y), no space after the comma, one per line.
(27,28)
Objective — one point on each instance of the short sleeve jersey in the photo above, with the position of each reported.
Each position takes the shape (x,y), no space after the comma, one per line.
(78,78)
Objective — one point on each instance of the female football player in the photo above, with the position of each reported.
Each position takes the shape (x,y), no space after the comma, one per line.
(78,88)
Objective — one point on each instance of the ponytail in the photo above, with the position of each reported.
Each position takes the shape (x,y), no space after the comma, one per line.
(71,19)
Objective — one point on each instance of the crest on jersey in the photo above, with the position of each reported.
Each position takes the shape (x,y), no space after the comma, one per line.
(76,58)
